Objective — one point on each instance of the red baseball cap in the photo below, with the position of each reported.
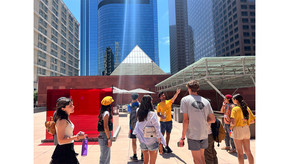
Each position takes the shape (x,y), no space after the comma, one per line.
(228,96)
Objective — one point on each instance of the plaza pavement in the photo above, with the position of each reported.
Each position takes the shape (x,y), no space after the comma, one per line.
(121,149)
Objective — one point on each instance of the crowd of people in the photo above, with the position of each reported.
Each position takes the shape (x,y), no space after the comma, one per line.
(150,130)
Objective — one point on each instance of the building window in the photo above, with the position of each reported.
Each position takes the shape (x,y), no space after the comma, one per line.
(246,41)
(237,43)
(247,48)
(245,20)
(42,46)
(41,54)
(245,27)
(252,6)
(246,34)
(244,13)
(243,6)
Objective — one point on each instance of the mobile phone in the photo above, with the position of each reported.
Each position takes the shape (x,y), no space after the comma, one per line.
(178,144)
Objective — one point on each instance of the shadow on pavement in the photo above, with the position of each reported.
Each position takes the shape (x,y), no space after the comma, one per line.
(236,155)
(172,155)
(135,162)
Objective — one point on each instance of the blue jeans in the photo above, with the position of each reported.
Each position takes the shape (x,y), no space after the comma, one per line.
(104,150)
(228,139)
(154,146)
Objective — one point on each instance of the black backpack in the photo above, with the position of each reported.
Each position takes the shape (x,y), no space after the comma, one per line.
(218,131)
(132,117)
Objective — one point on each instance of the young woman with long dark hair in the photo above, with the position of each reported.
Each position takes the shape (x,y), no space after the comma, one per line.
(105,127)
(241,118)
(148,118)
(64,151)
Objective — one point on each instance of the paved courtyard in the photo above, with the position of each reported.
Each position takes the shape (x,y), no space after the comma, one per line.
(121,149)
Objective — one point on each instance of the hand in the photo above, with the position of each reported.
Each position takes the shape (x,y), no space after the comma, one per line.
(163,116)
(109,143)
(181,143)
(161,148)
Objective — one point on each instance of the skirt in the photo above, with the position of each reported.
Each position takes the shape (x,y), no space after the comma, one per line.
(64,154)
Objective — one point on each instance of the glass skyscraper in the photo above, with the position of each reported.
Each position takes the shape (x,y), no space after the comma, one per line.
(210,28)
(181,36)
(120,25)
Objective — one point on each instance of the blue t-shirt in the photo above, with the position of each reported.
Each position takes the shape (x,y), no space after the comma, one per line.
(135,104)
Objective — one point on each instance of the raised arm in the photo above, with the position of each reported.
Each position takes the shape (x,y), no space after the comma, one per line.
(176,95)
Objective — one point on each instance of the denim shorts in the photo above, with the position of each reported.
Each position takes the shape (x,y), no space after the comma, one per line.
(166,126)
(154,146)
(197,144)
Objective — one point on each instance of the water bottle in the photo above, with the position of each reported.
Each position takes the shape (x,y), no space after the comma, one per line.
(84,147)
(165,115)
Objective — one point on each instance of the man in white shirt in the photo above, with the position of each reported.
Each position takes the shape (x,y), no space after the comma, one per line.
(197,113)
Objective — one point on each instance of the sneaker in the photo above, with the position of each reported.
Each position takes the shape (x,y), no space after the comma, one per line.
(226,148)
(164,150)
(232,151)
(168,150)
(134,158)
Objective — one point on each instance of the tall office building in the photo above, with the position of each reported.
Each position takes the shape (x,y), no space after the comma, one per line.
(234,23)
(213,28)
(181,42)
(200,18)
(120,25)
(56,40)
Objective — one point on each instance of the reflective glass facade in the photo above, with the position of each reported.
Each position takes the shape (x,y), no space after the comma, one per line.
(200,18)
(120,25)
(88,37)
(181,36)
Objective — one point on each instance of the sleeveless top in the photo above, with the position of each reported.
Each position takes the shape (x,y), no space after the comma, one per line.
(68,132)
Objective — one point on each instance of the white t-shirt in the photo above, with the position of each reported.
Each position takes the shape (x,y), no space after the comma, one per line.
(104,114)
(198,109)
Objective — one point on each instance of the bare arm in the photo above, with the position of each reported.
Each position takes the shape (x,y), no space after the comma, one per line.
(176,95)
(222,110)
(233,122)
(211,118)
(185,124)
(106,129)
(60,131)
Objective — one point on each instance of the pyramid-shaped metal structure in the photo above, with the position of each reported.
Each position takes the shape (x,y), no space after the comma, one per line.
(138,62)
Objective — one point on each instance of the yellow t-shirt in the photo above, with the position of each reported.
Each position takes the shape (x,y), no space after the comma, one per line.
(165,107)
(237,114)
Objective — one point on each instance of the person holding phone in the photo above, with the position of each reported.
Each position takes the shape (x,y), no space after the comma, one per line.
(197,113)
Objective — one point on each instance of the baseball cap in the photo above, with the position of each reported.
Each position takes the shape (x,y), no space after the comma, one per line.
(228,96)
(107,100)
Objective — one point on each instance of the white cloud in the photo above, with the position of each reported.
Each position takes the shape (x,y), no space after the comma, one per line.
(165,40)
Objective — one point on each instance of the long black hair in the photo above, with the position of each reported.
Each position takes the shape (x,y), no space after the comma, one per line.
(62,102)
(103,109)
(145,107)
(243,105)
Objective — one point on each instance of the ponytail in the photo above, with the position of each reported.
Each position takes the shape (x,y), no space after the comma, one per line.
(243,105)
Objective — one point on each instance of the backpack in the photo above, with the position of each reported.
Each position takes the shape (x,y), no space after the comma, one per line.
(132,117)
(218,131)
(50,126)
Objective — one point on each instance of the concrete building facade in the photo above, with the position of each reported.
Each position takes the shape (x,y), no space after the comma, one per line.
(56,40)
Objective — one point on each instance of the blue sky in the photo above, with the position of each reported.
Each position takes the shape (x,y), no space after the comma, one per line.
(163,29)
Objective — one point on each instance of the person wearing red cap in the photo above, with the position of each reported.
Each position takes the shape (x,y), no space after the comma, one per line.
(227,107)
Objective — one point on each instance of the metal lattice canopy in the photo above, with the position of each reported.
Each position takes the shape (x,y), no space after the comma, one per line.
(214,73)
